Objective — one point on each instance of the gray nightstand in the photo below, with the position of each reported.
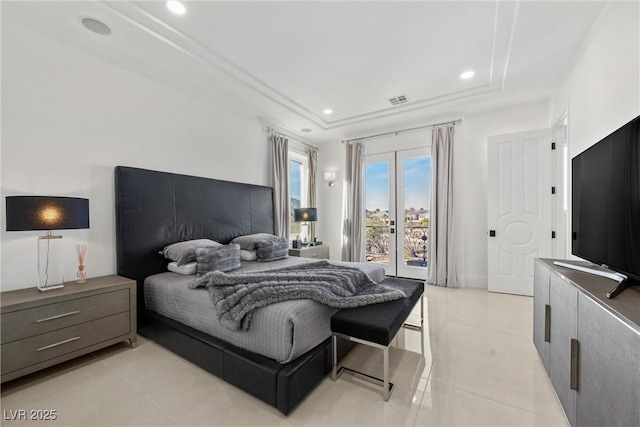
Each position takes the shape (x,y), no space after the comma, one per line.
(318,252)
(42,329)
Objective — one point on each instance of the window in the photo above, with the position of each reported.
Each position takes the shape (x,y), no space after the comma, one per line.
(298,183)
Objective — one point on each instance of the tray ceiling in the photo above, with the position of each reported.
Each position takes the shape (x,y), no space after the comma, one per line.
(289,61)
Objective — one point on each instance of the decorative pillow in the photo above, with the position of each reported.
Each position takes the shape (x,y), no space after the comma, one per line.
(272,250)
(220,258)
(185,252)
(248,242)
(186,269)
(246,255)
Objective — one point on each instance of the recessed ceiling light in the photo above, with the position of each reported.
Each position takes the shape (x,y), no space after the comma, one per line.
(176,7)
(305,130)
(96,26)
(467,75)
(327,111)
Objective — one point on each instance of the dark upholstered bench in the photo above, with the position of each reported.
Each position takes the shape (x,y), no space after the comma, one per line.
(376,325)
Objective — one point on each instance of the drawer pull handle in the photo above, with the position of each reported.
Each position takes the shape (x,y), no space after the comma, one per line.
(71,313)
(575,364)
(58,343)
(547,323)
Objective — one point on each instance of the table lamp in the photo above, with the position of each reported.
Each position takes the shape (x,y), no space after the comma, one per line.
(305,215)
(26,213)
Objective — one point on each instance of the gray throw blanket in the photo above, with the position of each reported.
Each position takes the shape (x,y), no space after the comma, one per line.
(237,295)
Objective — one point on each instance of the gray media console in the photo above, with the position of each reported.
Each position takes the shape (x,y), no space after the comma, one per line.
(589,345)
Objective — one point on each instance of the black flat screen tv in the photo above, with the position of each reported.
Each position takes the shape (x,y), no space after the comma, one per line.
(605,217)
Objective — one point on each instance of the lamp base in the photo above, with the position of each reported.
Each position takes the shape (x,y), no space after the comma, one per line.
(50,256)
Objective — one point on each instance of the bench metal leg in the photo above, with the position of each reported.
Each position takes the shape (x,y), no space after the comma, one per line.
(422,324)
(334,368)
(386,374)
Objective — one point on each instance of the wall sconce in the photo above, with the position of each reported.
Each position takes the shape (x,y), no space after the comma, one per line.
(330,177)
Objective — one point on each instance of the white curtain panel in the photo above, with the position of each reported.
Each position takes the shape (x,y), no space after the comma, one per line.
(280,184)
(441,270)
(352,227)
(312,155)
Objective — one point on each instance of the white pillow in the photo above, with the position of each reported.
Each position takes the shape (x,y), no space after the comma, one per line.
(186,269)
(246,255)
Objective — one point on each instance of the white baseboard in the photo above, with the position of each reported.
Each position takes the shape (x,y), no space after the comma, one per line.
(475,281)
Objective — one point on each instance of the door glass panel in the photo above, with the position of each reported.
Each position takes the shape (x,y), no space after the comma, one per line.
(417,198)
(377,212)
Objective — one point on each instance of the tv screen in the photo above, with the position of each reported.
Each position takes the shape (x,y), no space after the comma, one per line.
(606,201)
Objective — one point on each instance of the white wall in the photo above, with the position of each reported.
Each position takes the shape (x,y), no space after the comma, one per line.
(602,91)
(68,118)
(331,157)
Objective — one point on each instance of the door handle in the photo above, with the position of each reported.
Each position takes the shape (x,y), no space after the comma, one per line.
(492,233)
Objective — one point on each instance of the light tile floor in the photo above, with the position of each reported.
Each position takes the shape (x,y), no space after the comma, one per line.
(478,366)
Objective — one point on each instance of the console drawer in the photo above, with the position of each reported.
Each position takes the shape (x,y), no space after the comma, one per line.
(33,321)
(29,351)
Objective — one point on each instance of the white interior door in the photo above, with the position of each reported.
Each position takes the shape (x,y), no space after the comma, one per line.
(397,198)
(519,208)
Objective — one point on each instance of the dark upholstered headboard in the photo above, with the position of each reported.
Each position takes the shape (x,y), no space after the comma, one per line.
(154,209)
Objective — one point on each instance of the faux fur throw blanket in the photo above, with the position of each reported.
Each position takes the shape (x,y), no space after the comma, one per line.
(237,295)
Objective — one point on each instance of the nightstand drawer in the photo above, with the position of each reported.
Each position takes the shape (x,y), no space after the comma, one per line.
(318,252)
(29,351)
(39,320)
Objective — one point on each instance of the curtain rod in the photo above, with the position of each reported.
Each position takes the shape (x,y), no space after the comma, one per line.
(395,132)
(275,132)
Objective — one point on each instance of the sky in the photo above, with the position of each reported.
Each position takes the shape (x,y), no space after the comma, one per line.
(417,179)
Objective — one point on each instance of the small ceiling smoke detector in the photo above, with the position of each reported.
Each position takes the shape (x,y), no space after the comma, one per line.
(467,74)
(327,111)
(96,26)
(400,99)
(176,7)
(305,130)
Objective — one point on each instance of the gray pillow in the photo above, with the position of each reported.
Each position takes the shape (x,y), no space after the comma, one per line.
(272,250)
(220,258)
(248,242)
(185,252)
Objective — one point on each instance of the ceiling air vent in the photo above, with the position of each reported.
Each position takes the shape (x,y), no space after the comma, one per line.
(401,99)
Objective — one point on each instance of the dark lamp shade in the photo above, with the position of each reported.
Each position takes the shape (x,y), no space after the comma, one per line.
(305,214)
(46,213)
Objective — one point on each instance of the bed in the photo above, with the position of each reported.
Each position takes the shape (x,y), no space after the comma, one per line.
(154,209)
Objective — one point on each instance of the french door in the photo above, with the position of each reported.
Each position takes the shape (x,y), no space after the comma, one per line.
(397,200)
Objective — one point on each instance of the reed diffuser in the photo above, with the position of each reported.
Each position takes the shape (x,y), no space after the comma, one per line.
(82,252)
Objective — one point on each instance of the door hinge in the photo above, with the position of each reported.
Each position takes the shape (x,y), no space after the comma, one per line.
(553,234)
(553,190)
(553,145)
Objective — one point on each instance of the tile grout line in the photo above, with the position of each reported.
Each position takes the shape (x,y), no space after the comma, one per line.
(496,401)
